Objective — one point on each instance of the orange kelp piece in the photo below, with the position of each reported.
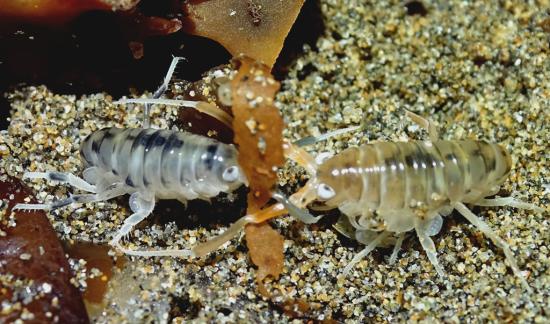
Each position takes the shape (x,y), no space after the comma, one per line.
(265,246)
(256,28)
(258,128)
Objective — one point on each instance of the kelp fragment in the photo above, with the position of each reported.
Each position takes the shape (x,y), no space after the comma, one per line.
(258,128)
(255,28)
(265,246)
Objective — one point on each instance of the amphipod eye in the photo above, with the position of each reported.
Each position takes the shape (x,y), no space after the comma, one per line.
(325,192)
(231,174)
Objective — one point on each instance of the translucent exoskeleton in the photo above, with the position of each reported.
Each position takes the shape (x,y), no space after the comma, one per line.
(386,189)
(148,164)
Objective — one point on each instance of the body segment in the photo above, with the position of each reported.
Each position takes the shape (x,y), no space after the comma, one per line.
(412,178)
(149,164)
(169,163)
(386,189)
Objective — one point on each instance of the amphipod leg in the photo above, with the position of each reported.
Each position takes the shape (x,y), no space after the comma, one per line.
(160,91)
(487,231)
(259,217)
(310,140)
(142,207)
(359,256)
(115,190)
(203,107)
(509,201)
(424,229)
(291,205)
(200,106)
(62,177)
(397,247)
(301,157)
(424,123)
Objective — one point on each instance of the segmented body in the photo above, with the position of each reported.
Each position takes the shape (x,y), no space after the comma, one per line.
(171,164)
(396,180)
(386,189)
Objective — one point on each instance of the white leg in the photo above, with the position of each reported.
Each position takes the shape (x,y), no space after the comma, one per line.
(423,229)
(424,123)
(159,92)
(142,207)
(310,140)
(156,253)
(115,190)
(487,231)
(301,214)
(62,177)
(509,201)
(397,247)
(359,256)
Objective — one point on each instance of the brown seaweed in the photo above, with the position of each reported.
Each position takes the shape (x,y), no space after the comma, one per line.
(255,28)
(35,277)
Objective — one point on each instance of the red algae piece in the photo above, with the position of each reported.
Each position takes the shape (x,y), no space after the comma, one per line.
(255,28)
(56,11)
(137,27)
(35,275)
(258,128)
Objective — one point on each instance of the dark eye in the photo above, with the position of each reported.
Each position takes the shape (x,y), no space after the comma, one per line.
(325,192)
(231,174)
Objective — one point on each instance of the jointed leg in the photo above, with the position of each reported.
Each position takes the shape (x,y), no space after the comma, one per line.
(203,107)
(259,217)
(359,256)
(111,192)
(487,231)
(423,230)
(294,209)
(142,207)
(509,201)
(160,91)
(301,157)
(62,177)
(424,123)
(310,140)
(397,247)
(200,106)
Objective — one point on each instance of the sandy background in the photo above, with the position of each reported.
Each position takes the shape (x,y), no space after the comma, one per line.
(481,71)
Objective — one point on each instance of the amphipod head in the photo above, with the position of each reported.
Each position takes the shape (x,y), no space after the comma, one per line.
(226,169)
(314,189)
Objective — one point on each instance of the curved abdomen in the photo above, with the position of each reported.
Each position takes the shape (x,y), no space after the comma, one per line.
(399,175)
